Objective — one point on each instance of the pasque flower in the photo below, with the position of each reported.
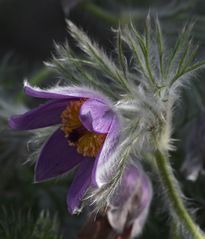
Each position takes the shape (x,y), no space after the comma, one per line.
(144,92)
(88,133)
(129,206)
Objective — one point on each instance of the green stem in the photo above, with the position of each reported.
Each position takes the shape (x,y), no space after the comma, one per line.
(172,191)
(101,13)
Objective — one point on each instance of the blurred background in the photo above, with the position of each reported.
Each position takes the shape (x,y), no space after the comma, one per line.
(29,29)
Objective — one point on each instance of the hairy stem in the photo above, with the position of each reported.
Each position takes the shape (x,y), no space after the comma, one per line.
(173,194)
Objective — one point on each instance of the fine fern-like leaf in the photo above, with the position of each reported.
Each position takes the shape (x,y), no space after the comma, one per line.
(98,57)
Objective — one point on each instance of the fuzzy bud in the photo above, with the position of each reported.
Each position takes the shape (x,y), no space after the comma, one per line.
(129,206)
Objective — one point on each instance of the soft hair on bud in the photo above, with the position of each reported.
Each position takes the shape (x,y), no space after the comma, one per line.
(129,205)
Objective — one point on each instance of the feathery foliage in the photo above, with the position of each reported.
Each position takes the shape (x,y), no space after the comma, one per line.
(145,87)
(144,84)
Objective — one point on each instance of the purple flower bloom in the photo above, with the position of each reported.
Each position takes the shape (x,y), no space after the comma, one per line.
(128,208)
(87,135)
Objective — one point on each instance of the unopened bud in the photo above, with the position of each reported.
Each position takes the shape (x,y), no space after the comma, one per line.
(128,208)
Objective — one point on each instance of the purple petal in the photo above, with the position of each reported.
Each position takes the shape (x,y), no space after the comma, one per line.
(42,116)
(130,203)
(131,179)
(108,148)
(66,92)
(96,116)
(56,157)
(79,185)
(147,193)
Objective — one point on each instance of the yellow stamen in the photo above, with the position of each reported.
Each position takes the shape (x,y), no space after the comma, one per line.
(87,143)
(90,143)
(70,117)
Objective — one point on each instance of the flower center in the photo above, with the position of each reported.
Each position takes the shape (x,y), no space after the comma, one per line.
(87,143)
